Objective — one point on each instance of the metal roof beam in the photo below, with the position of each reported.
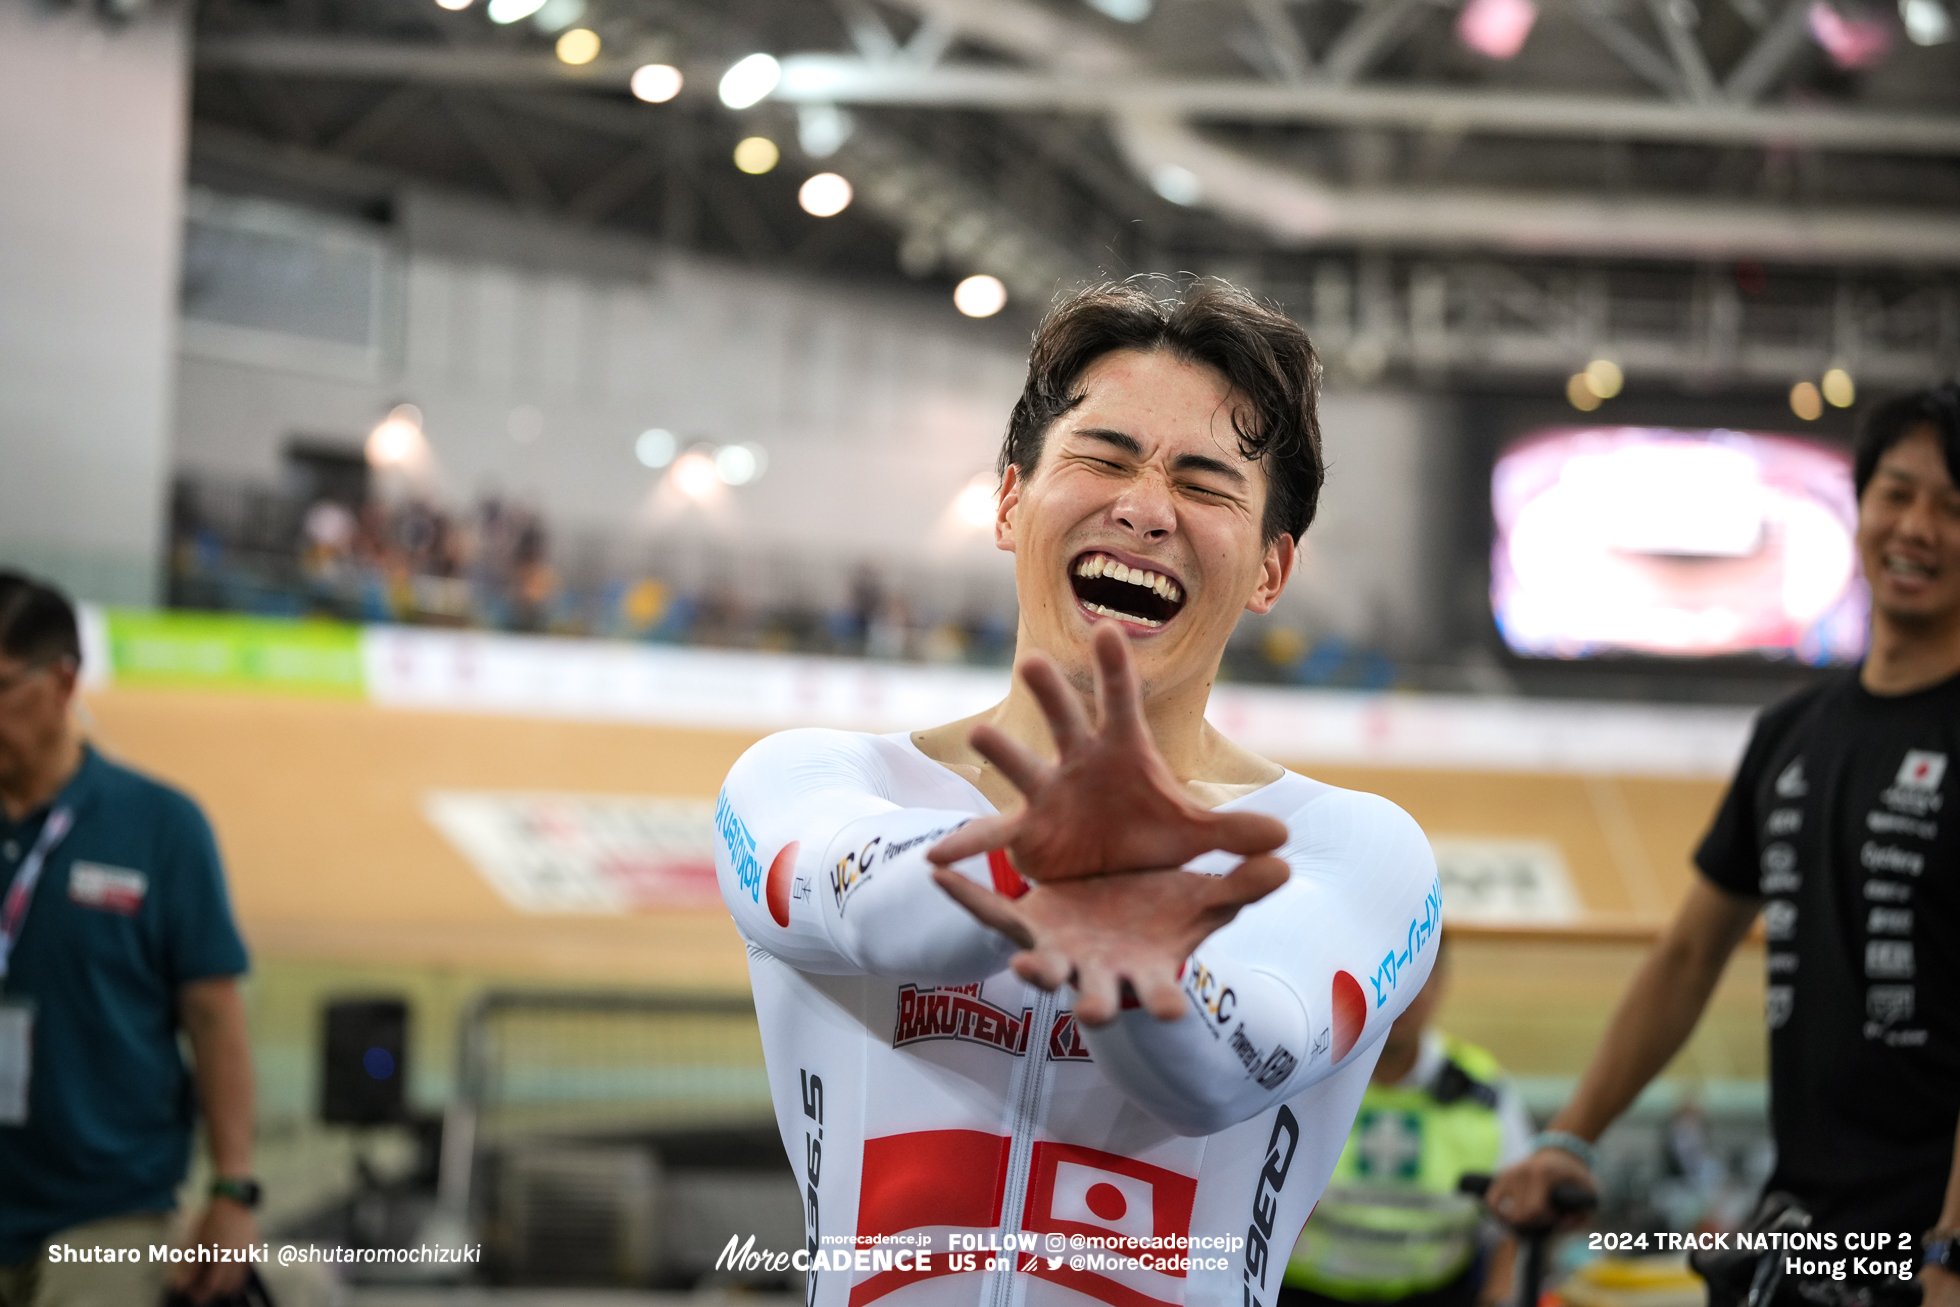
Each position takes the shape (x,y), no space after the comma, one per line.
(832,79)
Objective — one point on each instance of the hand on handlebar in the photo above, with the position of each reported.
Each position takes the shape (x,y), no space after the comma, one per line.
(1522,1196)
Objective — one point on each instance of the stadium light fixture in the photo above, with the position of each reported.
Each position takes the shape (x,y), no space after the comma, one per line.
(1805,402)
(397,439)
(655,447)
(578,47)
(656,83)
(737,465)
(1839,392)
(980,296)
(756,155)
(1926,22)
(1496,28)
(1604,378)
(512,11)
(825,195)
(750,81)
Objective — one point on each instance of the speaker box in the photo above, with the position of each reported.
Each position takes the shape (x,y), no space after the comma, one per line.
(364,1062)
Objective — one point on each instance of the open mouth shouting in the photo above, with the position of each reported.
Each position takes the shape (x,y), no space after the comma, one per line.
(1108,587)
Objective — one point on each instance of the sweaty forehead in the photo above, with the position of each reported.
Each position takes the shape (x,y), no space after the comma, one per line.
(1157,399)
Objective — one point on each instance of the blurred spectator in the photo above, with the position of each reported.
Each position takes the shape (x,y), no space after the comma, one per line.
(115,934)
(1392,1227)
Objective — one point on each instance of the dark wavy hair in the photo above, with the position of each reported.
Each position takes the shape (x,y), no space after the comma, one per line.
(37,623)
(1263,355)
(1893,420)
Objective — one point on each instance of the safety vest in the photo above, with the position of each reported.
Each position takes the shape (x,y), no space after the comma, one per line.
(1392,1223)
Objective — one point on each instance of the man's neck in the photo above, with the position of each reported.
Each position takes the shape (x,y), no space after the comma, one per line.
(38,784)
(1906,657)
(1175,715)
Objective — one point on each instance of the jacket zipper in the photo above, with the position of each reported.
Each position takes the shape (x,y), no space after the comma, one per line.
(1020,1149)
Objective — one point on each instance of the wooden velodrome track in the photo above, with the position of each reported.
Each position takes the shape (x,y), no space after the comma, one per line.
(335,872)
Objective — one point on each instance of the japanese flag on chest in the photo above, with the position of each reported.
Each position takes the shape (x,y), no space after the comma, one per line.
(1087,1195)
(1138,1214)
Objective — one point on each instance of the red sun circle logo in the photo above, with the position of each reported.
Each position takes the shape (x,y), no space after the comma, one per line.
(1106,1201)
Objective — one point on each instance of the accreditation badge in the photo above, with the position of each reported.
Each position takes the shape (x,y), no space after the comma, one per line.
(16,1059)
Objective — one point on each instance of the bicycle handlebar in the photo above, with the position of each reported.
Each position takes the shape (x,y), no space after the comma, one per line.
(1567,1197)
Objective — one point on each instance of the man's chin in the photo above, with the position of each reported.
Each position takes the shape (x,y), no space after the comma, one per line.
(1926,613)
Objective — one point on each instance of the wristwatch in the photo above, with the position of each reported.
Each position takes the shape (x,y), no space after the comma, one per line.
(244,1191)
(1943,1250)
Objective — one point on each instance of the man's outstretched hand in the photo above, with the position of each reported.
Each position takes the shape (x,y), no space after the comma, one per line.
(1100,933)
(1109,802)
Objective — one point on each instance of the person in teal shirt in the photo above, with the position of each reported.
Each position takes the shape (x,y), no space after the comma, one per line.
(1392,1227)
(115,934)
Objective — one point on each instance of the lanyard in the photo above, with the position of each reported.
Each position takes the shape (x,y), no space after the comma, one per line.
(13,914)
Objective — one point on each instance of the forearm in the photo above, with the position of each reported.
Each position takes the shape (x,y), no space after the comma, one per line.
(1950,1209)
(1234,1053)
(892,920)
(213,1015)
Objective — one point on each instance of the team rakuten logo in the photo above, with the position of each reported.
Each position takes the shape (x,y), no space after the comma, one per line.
(959,1012)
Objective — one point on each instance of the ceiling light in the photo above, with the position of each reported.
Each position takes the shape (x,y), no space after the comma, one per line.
(1604,378)
(1838,390)
(1926,22)
(454,4)
(655,447)
(974,505)
(980,296)
(825,195)
(1124,11)
(750,81)
(737,465)
(578,46)
(694,475)
(397,438)
(656,83)
(1496,28)
(756,155)
(1178,185)
(511,11)
(1805,402)
(1852,41)
(822,129)
(557,15)
(1580,394)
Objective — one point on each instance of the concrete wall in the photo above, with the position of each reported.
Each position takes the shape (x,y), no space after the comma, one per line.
(874,409)
(92,123)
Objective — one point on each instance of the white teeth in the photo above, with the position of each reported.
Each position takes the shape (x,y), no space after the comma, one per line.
(1121,617)
(1103,565)
(1903,567)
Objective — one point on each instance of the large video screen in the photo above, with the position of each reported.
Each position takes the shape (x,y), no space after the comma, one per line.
(1646,540)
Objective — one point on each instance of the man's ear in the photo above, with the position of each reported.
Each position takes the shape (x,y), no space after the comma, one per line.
(66,673)
(1005,503)
(1281,557)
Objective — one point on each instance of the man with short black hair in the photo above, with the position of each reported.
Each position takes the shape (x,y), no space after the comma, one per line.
(1108,1081)
(1836,830)
(115,933)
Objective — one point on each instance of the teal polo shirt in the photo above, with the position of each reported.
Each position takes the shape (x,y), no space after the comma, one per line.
(130,906)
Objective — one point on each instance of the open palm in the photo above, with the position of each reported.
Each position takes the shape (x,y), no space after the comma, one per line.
(1109,802)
